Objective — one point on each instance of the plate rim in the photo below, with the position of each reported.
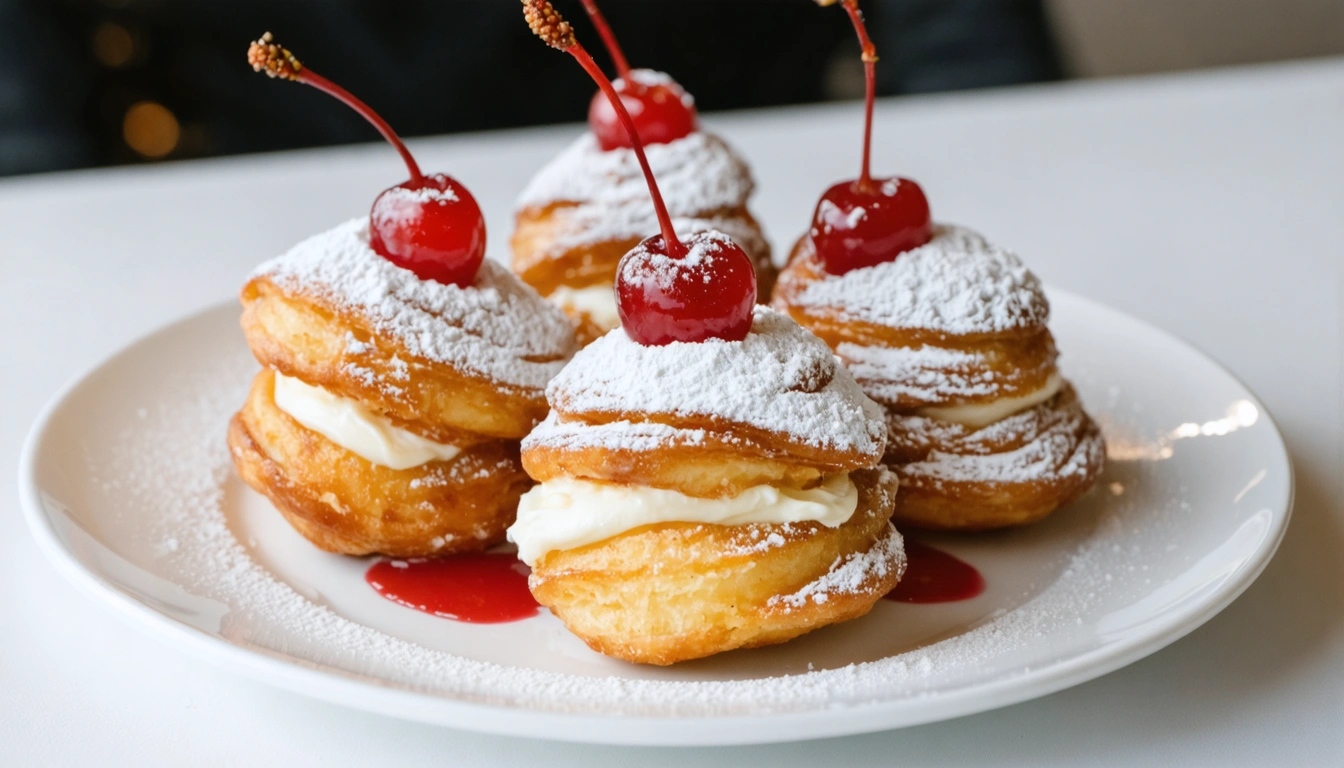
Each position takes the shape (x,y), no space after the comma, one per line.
(335,686)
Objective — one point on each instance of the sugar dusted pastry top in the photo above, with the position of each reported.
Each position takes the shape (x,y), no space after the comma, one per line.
(497,328)
(698,174)
(958,283)
(780,379)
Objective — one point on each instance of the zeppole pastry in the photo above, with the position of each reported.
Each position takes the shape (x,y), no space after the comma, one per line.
(584,210)
(948,332)
(951,337)
(732,505)
(400,371)
(708,473)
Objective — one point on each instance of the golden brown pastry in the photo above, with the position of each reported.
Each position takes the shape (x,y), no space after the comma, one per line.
(700,497)
(388,415)
(951,338)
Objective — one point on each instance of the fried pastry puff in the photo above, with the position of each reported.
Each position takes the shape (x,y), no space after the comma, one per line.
(951,338)
(700,497)
(582,212)
(388,414)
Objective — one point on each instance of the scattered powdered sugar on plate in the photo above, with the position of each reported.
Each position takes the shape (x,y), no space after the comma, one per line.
(957,283)
(848,575)
(498,327)
(169,470)
(698,174)
(780,378)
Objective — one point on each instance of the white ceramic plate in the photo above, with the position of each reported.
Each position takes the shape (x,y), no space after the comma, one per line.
(128,488)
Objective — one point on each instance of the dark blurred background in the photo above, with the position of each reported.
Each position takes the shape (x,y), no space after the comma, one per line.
(106,82)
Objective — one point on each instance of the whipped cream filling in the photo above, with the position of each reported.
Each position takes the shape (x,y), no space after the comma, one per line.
(568,513)
(979,415)
(596,301)
(355,428)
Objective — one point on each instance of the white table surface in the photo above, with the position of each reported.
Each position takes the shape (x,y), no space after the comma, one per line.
(1209,204)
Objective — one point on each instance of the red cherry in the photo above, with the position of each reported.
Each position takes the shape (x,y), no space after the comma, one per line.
(867,221)
(666,290)
(706,294)
(854,227)
(662,111)
(432,227)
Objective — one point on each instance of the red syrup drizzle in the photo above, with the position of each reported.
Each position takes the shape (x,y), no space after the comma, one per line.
(482,588)
(934,576)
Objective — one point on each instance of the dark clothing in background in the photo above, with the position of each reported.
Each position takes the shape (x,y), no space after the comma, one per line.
(70,70)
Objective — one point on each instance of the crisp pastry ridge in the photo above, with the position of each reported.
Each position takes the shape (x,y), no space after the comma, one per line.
(672,592)
(344,503)
(776,410)
(945,336)
(776,407)
(587,208)
(465,367)
(442,360)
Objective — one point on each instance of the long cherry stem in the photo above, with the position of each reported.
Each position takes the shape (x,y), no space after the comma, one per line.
(321,83)
(675,248)
(865,182)
(613,48)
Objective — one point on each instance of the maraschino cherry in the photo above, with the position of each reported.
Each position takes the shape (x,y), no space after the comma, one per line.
(666,290)
(661,110)
(431,224)
(868,221)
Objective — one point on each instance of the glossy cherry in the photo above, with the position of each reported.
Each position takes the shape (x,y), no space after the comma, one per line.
(707,294)
(661,110)
(666,290)
(432,227)
(431,224)
(868,221)
(855,227)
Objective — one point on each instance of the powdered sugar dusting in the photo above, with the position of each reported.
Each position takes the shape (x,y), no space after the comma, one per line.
(652,77)
(1050,446)
(1051,456)
(497,328)
(703,248)
(587,224)
(616,435)
(780,378)
(697,174)
(958,283)
(398,206)
(165,474)
(923,375)
(849,575)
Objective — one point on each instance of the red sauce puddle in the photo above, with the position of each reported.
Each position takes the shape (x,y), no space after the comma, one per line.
(482,588)
(934,576)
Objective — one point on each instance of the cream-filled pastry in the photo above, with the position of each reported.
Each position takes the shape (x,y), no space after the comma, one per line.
(355,427)
(675,520)
(708,472)
(948,332)
(400,372)
(951,338)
